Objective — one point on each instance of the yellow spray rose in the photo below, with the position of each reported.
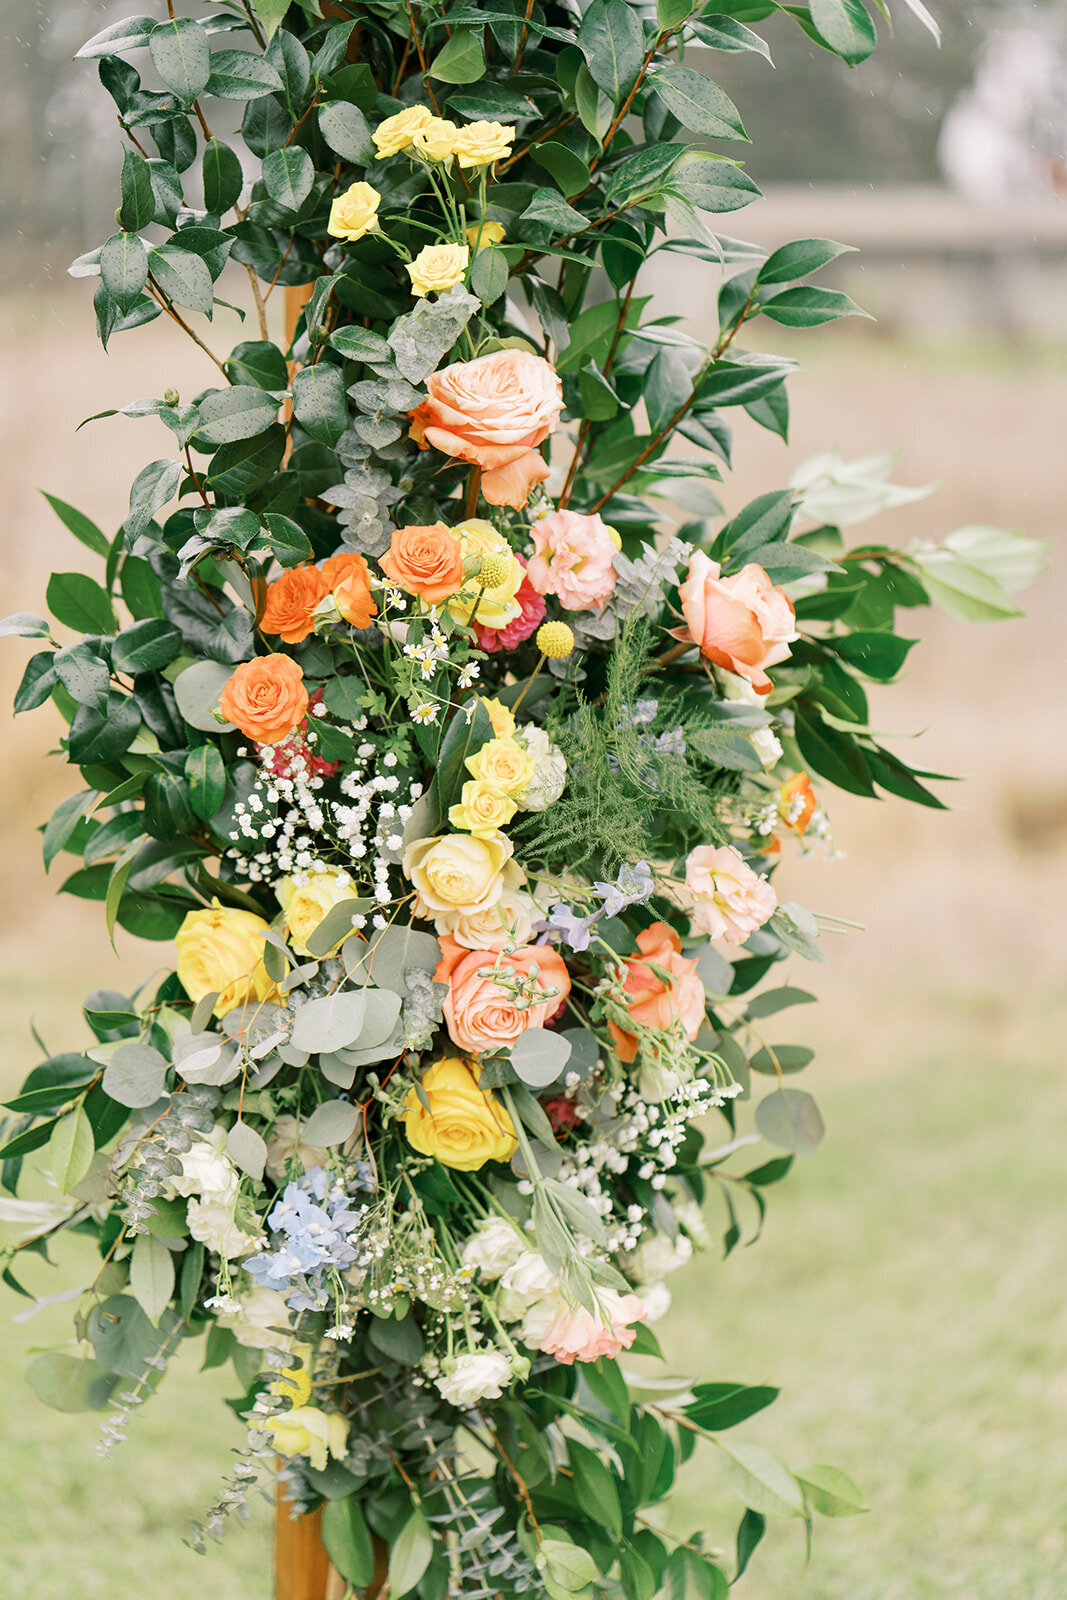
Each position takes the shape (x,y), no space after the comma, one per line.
(354,213)
(458,872)
(307,902)
(435,139)
(220,950)
(481,234)
(462,1128)
(479,144)
(498,605)
(505,764)
(482,808)
(307,1431)
(500,716)
(437,267)
(398,132)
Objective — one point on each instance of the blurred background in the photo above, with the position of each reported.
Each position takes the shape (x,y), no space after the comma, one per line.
(908,1291)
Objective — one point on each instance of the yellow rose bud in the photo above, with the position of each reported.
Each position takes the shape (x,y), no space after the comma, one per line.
(479,144)
(463,1128)
(555,640)
(307,901)
(435,139)
(437,267)
(505,764)
(502,719)
(457,872)
(498,605)
(614,535)
(483,233)
(354,213)
(398,132)
(482,808)
(307,1431)
(220,950)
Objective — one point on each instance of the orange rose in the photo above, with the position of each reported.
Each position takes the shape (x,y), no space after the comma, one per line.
(426,561)
(479,1014)
(796,803)
(348,577)
(742,623)
(265,698)
(493,412)
(653,1002)
(290,602)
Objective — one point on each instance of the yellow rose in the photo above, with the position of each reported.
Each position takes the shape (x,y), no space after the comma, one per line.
(458,872)
(483,233)
(434,139)
(220,950)
(354,213)
(307,1431)
(463,1127)
(502,719)
(397,133)
(498,605)
(479,144)
(305,904)
(504,764)
(437,267)
(483,808)
(510,923)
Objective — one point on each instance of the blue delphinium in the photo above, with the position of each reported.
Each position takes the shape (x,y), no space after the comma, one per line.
(632,886)
(318,1225)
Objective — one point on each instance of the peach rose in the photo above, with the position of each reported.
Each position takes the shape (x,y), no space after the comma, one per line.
(426,561)
(349,579)
(493,412)
(654,1003)
(291,600)
(573,558)
(743,623)
(730,900)
(265,698)
(580,1335)
(479,1014)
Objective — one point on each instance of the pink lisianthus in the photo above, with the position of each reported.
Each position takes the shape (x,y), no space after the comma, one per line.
(526,623)
(573,559)
(730,900)
(742,623)
(581,1335)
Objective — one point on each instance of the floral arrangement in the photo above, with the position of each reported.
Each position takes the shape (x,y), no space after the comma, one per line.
(434,713)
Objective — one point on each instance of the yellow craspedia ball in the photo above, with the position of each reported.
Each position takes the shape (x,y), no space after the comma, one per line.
(494,570)
(555,640)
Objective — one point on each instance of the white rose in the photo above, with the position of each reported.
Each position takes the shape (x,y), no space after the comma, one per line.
(510,921)
(212,1222)
(765,743)
(476,1375)
(656,1299)
(550,776)
(494,1247)
(530,1278)
(657,1255)
(284,1144)
(539,1318)
(259,1309)
(767,746)
(207,1171)
(658,1083)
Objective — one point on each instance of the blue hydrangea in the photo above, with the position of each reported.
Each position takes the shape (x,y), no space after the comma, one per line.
(317,1225)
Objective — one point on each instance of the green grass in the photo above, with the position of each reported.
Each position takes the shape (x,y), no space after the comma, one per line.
(907,1295)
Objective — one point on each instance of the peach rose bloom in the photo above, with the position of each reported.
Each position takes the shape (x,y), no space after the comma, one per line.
(730,900)
(426,561)
(493,412)
(743,623)
(651,1001)
(580,1335)
(479,1014)
(265,698)
(573,558)
(291,600)
(349,579)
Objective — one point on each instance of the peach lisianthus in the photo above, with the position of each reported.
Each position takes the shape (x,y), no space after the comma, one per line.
(730,901)
(742,622)
(424,560)
(573,556)
(291,602)
(493,412)
(580,1335)
(482,1015)
(653,1002)
(265,698)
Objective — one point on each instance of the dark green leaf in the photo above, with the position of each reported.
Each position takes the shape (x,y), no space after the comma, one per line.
(124,269)
(489,275)
(879,655)
(320,404)
(287,539)
(132,33)
(257,362)
(799,259)
(595,1488)
(241,412)
(146,647)
(348,1541)
(182,276)
(138,206)
(347,131)
(81,526)
(288,176)
(461,60)
(238,469)
(80,603)
(808,307)
(240,75)
(569,170)
(38,681)
(103,734)
(832,754)
(181,54)
(82,673)
(699,104)
(846,28)
(223,178)
(749,1533)
(152,488)
(205,773)
(462,739)
(612,41)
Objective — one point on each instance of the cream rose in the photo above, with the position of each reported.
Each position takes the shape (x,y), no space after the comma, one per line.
(435,139)
(354,213)
(398,132)
(550,770)
(458,872)
(479,144)
(510,922)
(438,267)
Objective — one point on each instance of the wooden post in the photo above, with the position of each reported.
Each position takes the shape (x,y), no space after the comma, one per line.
(302,1569)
